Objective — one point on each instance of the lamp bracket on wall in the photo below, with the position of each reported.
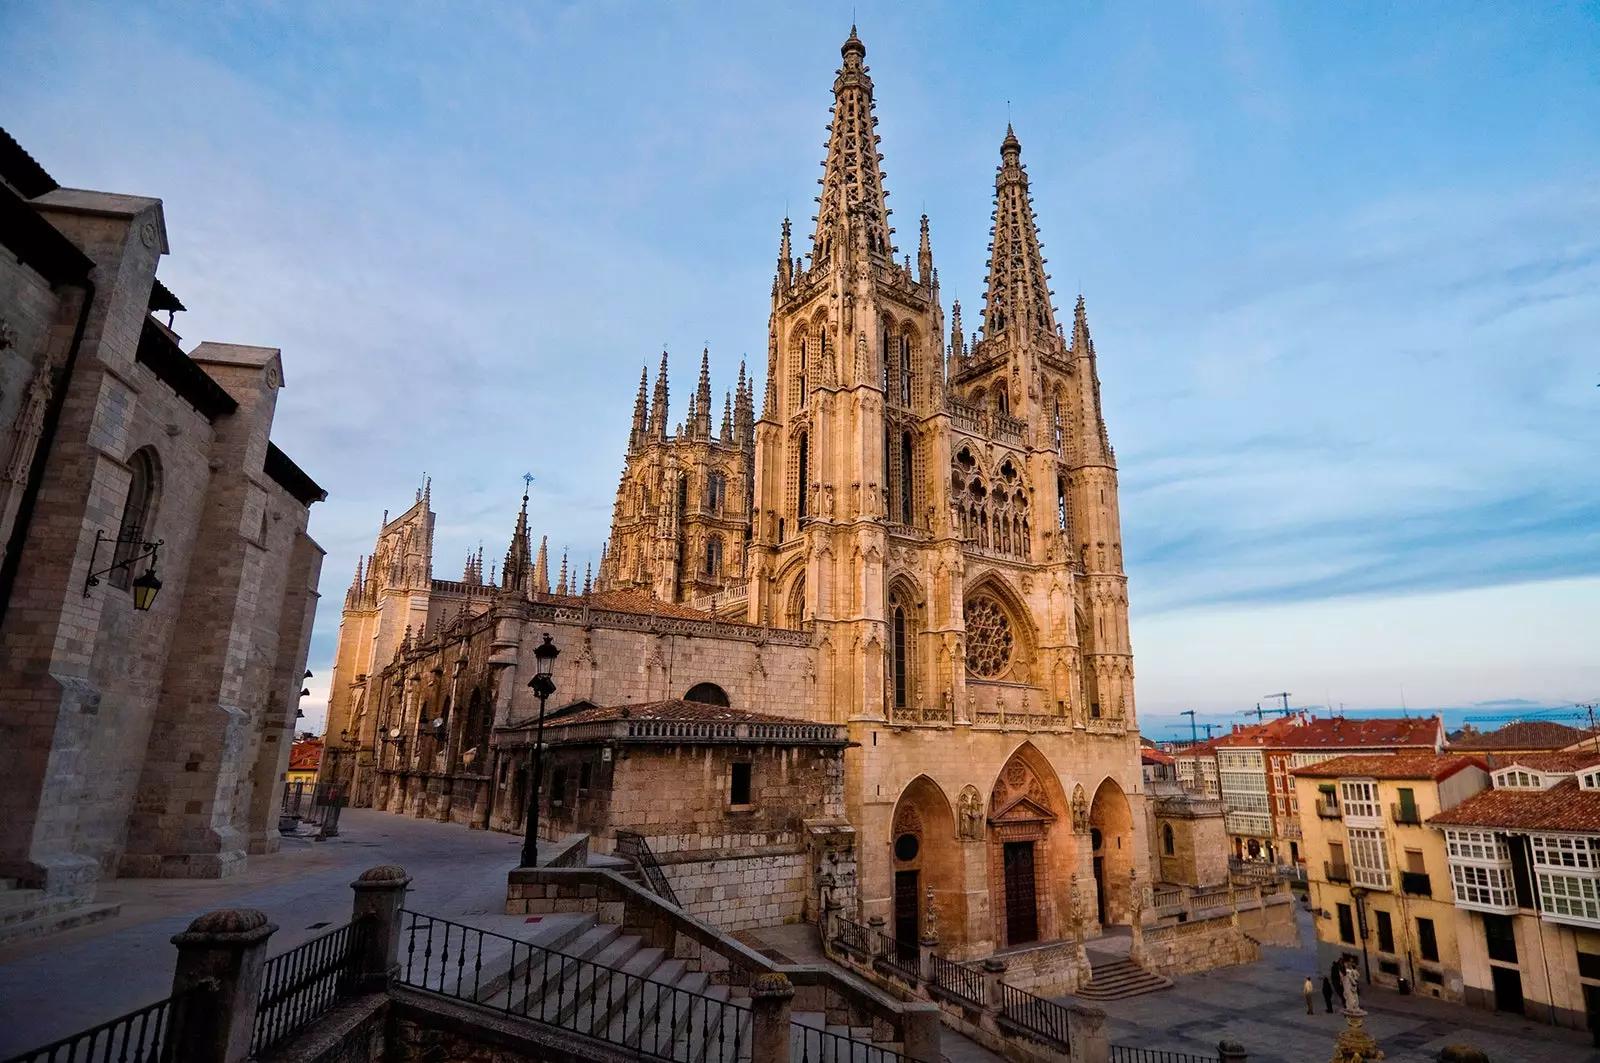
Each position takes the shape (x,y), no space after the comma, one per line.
(141,549)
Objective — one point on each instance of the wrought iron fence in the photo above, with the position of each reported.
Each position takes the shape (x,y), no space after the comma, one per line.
(632,846)
(137,1037)
(516,978)
(807,1044)
(854,938)
(303,984)
(902,958)
(1044,1020)
(957,979)
(1130,1054)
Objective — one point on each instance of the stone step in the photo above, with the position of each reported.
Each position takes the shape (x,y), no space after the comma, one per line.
(56,921)
(20,906)
(1118,979)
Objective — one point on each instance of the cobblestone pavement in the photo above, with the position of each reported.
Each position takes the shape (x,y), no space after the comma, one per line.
(56,986)
(1261,1005)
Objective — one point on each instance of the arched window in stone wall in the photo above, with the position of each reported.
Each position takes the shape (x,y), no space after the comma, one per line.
(907,479)
(991,640)
(797,602)
(1169,845)
(707,694)
(799,348)
(138,514)
(802,488)
(716,491)
(714,555)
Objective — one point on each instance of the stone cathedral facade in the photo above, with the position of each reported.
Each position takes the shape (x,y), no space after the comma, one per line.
(914,544)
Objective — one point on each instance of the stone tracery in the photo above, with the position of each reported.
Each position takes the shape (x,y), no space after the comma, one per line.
(990,640)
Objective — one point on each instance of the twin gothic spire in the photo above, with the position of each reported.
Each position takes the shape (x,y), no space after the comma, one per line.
(1016,290)
(853,201)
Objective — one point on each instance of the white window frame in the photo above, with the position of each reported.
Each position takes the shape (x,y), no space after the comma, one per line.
(1569,898)
(1483,887)
(1565,853)
(1589,780)
(1360,801)
(1368,851)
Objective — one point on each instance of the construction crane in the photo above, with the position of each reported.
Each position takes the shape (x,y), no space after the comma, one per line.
(1284,694)
(1260,713)
(1194,730)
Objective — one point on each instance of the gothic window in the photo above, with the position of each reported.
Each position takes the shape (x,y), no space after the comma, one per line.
(1168,843)
(137,514)
(899,649)
(805,476)
(989,637)
(714,555)
(1061,502)
(1002,401)
(797,601)
(887,358)
(1056,419)
(906,512)
(905,371)
(716,491)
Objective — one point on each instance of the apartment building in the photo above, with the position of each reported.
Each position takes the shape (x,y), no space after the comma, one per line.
(1377,874)
(1246,789)
(1524,870)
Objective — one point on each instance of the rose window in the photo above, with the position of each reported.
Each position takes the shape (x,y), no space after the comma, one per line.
(989,638)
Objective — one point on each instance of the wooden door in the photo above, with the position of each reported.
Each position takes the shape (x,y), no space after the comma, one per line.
(1022,909)
(906,929)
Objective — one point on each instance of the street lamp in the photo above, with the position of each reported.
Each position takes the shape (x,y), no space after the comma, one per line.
(544,657)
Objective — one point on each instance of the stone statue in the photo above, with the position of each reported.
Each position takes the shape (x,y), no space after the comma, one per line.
(971,815)
(930,921)
(1348,989)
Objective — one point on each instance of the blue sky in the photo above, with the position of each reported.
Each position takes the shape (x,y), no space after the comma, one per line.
(1342,265)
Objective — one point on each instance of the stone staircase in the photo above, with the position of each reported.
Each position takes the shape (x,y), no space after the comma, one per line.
(1113,978)
(593,978)
(27,914)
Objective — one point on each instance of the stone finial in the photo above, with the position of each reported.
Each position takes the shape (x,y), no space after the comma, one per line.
(772,984)
(240,925)
(382,877)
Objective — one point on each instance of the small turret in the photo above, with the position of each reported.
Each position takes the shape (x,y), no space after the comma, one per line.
(958,341)
(925,274)
(641,412)
(785,260)
(658,402)
(561,584)
(541,567)
(516,566)
(701,421)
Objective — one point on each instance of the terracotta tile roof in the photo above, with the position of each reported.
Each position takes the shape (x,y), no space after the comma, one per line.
(1563,807)
(1384,732)
(1261,734)
(305,755)
(667,710)
(1390,766)
(1524,734)
(1154,756)
(1552,762)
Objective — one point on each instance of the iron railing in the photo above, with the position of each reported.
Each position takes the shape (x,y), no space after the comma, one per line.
(632,846)
(956,979)
(1044,1020)
(807,1044)
(1336,871)
(651,1018)
(1130,1054)
(137,1037)
(1416,883)
(1405,813)
(304,984)
(1328,809)
(854,938)
(900,958)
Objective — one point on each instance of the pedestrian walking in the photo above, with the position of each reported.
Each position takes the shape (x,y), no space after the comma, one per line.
(1327,993)
(1309,991)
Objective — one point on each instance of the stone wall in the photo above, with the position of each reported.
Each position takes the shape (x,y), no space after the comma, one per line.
(1047,971)
(1201,945)
(738,892)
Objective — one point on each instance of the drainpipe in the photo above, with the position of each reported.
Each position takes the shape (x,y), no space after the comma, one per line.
(41,455)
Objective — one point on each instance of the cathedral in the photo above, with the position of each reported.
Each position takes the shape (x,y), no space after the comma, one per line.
(913,550)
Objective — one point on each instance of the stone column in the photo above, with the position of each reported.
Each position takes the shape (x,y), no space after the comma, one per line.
(769,1033)
(919,1033)
(379,893)
(217,982)
(994,969)
(1087,1033)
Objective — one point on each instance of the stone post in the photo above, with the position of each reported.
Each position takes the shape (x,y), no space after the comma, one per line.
(1231,1052)
(929,939)
(1086,1030)
(919,1033)
(1136,906)
(875,945)
(379,893)
(994,968)
(217,982)
(769,1032)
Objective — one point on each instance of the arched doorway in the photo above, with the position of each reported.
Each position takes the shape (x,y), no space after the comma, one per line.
(1111,836)
(925,859)
(1031,850)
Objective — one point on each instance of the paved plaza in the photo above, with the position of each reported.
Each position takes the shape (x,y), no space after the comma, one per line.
(1262,1006)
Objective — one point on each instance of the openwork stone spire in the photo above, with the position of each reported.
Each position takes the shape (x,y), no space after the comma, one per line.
(641,410)
(658,403)
(516,568)
(852,183)
(1017,299)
